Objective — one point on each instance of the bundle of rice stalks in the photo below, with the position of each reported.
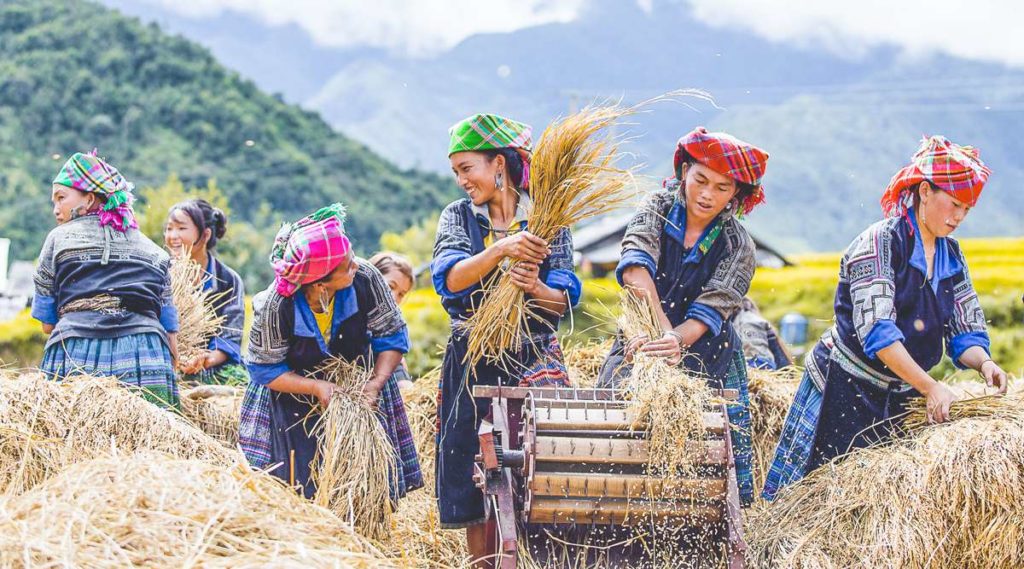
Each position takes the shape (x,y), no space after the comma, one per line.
(151,510)
(969,408)
(665,401)
(583,361)
(771,395)
(105,415)
(215,409)
(573,176)
(197,308)
(950,495)
(356,462)
(46,426)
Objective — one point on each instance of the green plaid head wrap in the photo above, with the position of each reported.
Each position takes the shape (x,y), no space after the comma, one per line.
(489,132)
(90,173)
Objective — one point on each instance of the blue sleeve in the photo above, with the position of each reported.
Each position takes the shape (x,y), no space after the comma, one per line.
(633,258)
(707,315)
(232,349)
(263,374)
(44,309)
(883,334)
(959,344)
(439,268)
(399,341)
(169,318)
(561,279)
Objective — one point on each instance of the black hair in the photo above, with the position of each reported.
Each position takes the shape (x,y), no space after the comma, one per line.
(204,216)
(915,192)
(513,163)
(743,189)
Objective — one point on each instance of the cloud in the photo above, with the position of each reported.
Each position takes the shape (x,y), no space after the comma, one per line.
(988,30)
(415,27)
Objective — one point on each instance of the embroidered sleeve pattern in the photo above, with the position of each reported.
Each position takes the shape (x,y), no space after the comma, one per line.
(731,280)
(644,230)
(268,341)
(868,268)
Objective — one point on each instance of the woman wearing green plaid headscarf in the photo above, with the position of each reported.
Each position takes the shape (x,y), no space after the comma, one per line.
(103,289)
(490,157)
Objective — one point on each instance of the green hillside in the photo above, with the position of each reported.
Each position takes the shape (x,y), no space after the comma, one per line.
(75,75)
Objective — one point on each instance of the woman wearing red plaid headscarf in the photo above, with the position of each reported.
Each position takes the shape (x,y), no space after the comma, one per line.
(324,302)
(686,249)
(904,294)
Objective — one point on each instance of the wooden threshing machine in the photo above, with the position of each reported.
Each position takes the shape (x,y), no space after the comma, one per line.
(572,458)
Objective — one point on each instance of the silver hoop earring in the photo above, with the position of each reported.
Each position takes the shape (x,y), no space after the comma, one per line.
(499,181)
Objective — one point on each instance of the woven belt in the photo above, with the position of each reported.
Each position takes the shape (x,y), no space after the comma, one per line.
(100,303)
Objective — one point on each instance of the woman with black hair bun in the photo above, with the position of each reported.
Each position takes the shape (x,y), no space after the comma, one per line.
(193,228)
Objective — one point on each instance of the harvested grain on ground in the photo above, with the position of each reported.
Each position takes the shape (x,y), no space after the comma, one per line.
(215,409)
(355,460)
(151,510)
(950,495)
(46,426)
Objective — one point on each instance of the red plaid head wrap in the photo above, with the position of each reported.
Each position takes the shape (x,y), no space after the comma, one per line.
(728,156)
(309,249)
(948,166)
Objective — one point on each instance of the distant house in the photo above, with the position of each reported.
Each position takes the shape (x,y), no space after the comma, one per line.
(597,246)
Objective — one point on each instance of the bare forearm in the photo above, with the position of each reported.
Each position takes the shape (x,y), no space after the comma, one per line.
(385,365)
(471,271)
(291,382)
(691,330)
(974,357)
(896,357)
(172,345)
(551,299)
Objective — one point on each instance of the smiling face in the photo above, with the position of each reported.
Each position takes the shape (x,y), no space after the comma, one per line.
(475,174)
(69,203)
(707,191)
(940,212)
(181,234)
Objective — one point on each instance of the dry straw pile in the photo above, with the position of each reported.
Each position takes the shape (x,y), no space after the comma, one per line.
(152,510)
(949,495)
(215,409)
(574,175)
(46,426)
(355,460)
(197,308)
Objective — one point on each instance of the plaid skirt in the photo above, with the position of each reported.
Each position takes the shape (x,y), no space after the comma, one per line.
(794,448)
(139,360)
(739,421)
(227,374)
(256,436)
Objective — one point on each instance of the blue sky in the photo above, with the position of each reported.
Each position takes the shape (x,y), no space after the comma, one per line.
(983,30)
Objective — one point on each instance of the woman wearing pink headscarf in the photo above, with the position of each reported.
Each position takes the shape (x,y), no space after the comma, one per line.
(324,302)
